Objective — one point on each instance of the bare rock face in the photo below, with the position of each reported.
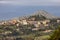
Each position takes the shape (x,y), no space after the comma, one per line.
(42,14)
(45,14)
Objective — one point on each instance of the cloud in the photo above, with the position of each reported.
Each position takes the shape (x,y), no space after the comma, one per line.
(31,2)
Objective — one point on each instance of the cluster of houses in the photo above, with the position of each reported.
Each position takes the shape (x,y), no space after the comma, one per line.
(27,22)
(37,24)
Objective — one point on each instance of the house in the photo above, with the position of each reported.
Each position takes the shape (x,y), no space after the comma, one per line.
(32,22)
(7,32)
(36,25)
(58,21)
(4,23)
(17,24)
(24,22)
(33,18)
(47,31)
(18,21)
(1,23)
(35,29)
(45,22)
(13,21)
(38,22)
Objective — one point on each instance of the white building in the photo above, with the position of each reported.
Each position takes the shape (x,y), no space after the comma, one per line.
(58,21)
(24,22)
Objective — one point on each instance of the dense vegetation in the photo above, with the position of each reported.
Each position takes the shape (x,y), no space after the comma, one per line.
(55,35)
(24,33)
(37,17)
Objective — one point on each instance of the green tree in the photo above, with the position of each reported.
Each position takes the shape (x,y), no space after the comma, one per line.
(55,35)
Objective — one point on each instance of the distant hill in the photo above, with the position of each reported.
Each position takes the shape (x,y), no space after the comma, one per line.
(45,14)
(42,14)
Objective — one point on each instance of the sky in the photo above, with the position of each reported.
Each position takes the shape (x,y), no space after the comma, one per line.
(32,2)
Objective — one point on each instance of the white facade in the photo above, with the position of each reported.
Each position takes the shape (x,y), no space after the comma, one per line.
(24,22)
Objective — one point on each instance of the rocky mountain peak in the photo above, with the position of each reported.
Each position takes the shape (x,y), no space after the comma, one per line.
(45,14)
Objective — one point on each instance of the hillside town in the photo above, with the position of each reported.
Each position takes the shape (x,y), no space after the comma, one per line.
(28,28)
(37,24)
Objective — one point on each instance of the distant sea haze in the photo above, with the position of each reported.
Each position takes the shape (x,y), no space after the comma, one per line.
(8,11)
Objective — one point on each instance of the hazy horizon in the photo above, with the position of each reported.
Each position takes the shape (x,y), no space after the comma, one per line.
(15,8)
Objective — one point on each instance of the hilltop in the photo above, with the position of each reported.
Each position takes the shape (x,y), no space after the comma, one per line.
(41,14)
(45,14)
